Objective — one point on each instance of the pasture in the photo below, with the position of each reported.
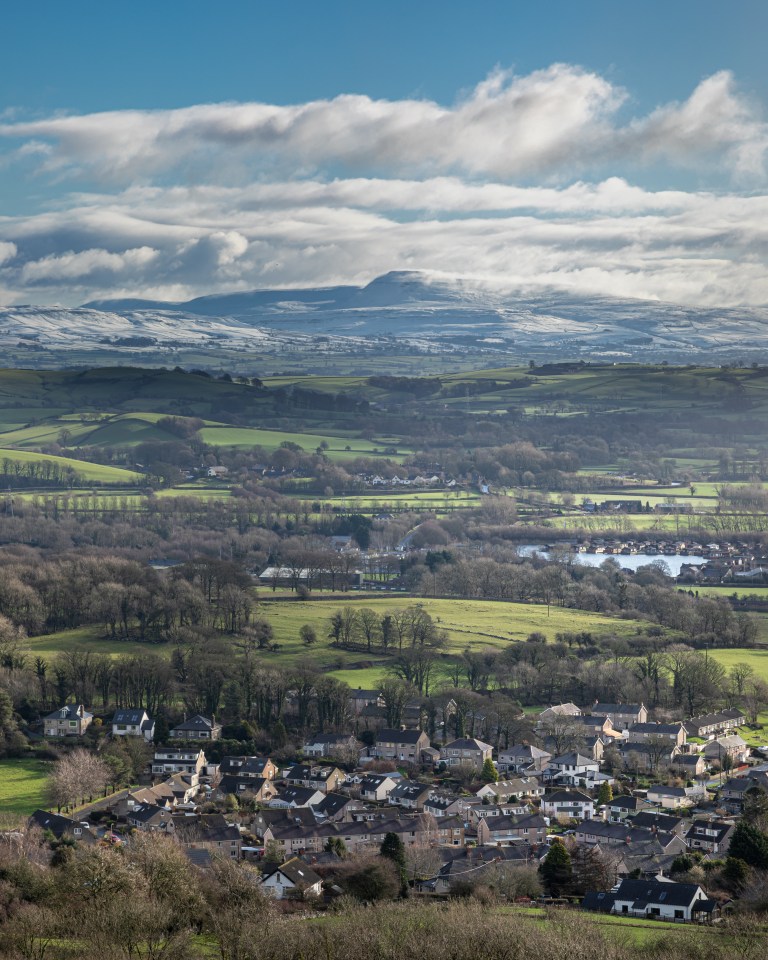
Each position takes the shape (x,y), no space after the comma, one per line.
(92,472)
(22,786)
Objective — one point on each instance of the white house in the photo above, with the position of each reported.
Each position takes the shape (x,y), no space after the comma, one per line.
(568,803)
(291,879)
(662,899)
(133,723)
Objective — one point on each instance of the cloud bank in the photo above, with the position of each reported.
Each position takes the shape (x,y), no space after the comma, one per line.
(527,182)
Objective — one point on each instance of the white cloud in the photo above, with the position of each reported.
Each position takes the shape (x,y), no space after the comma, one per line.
(551,123)
(525,182)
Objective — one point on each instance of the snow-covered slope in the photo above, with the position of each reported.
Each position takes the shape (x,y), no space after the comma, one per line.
(428,312)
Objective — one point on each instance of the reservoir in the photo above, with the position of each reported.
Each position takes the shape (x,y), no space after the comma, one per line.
(632,561)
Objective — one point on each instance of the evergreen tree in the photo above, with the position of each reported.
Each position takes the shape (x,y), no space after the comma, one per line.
(750,845)
(606,793)
(557,870)
(489,774)
(393,849)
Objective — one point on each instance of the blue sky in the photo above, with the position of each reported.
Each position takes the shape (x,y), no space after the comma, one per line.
(172,149)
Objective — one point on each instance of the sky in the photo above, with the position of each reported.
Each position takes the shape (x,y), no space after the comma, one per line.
(176,149)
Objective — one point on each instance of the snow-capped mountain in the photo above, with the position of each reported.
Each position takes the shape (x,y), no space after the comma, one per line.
(427,312)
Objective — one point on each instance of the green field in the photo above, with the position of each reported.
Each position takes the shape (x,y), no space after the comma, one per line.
(94,472)
(22,786)
(339,447)
(90,638)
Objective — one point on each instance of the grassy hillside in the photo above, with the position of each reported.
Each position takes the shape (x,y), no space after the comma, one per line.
(96,472)
(22,786)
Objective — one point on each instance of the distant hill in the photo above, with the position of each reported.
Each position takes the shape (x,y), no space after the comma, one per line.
(423,312)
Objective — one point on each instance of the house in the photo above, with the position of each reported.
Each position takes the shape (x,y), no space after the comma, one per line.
(343,745)
(376,787)
(399,745)
(620,808)
(209,831)
(244,766)
(410,794)
(596,727)
(558,712)
(322,777)
(522,757)
(217,473)
(568,803)
(648,756)
(628,837)
(337,807)
(528,787)
(711,725)
(178,760)
(670,798)
(712,836)
(730,747)
(466,750)
(149,818)
(295,796)
(641,732)
(505,830)
(59,825)
(689,765)
(621,715)
(661,822)
(196,728)
(445,805)
(572,768)
(294,879)
(662,899)
(265,822)
(71,720)
(133,723)
(359,699)
(254,788)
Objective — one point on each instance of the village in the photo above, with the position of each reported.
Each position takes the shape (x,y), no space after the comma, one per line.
(647,804)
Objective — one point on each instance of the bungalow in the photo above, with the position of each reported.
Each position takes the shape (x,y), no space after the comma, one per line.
(710,725)
(558,712)
(505,830)
(466,750)
(621,715)
(71,720)
(568,803)
(511,789)
(662,899)
(266,821)
(59,825)
(197,728)
(626,835)
(133,723)
(344,745)
(670,798)
(294,796)
(661,822)
(178,760)
(292,879)
(399,745)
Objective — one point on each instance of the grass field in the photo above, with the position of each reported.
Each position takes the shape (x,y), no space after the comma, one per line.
(89,638)
(22,786)
(94,472)
(270,440)
(476,624)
